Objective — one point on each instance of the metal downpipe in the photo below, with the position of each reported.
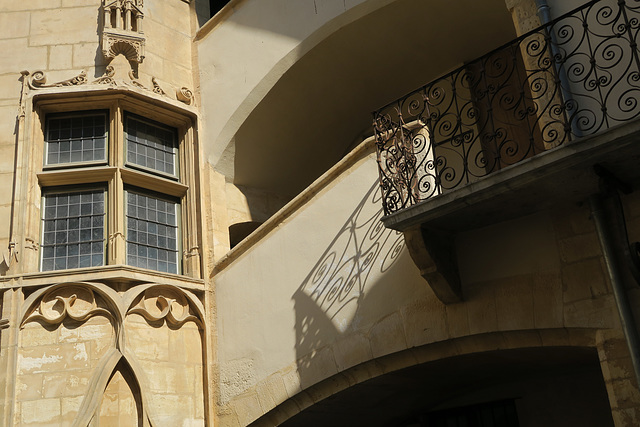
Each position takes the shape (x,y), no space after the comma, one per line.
(619,291)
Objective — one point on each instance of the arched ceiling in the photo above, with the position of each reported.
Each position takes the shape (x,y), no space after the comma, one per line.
(322,105)
(399,398)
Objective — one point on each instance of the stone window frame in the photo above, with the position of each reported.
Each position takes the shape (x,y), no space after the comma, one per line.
(116,176)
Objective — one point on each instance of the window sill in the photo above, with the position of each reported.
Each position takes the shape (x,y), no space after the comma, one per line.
(111,273)
(86,175)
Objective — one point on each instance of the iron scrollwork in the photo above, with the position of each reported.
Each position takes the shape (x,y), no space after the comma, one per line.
(573,77)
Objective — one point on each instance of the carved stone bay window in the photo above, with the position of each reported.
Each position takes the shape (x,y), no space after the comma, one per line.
(118,185)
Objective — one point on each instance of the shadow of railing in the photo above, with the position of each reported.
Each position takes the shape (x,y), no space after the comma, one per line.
(328,300)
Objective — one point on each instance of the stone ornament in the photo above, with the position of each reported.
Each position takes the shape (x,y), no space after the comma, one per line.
(122,29)
(158,304)
(82,300)
(185,95)
(75,302)
(38,80)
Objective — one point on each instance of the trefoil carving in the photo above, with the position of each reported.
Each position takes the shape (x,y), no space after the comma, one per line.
(162,303)
(122,29)
(75,302)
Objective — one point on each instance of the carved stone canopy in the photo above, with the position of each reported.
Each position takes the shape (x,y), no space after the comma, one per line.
(122,29)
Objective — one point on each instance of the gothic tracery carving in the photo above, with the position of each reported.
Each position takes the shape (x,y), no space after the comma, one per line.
(76,302)
(122,29)
(160,303)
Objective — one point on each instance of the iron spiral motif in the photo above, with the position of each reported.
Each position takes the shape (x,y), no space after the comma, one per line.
(574,77)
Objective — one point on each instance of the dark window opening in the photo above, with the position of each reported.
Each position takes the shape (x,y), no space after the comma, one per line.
(216,5)
(237,232)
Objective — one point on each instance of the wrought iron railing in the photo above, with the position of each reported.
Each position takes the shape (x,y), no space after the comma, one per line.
(573,77)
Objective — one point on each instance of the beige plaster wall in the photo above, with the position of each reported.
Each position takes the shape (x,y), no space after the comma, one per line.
(243,53)
(326,292)
(325,275)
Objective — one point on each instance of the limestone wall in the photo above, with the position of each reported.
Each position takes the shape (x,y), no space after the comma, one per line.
(70,350)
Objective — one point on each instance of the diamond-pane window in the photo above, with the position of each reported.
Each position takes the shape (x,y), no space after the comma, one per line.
(152,232)
(73,232)
(77,138)
(151,145)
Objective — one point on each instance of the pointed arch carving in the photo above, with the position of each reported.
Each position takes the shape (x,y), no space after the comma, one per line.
(91,404)
(80,301)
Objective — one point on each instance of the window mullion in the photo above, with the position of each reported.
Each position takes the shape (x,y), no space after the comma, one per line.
(117,252)
(190,242)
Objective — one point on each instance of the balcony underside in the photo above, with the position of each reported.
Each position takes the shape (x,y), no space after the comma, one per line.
(562,175)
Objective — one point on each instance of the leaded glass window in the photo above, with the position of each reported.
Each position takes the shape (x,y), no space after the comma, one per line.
(76,138)
(73,234)
(152,232)
(151,145)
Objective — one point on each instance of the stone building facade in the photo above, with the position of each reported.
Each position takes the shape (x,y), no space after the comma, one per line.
(194,231)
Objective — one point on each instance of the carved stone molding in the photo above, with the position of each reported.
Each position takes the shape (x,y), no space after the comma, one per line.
(160,303)
(184,95)
(38,80)
(122,29)
(75,302)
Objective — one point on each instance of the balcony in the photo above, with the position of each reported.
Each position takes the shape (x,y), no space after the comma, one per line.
(532,123)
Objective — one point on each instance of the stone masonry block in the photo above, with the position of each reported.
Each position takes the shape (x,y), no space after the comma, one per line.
(35,335)
(617,369)
(10,87)
(60,57)
(271,392)
(514,304)
(69,408)
(425,321)
(387,336)
(29,387)
(321,365)
(482,308)
(457,320)
(352,350)
(63,26)
(9,6)
(23,57)
(584,280)
(14,25)
(328,387)
(66,384)
(84,55)
(41,411)
(291,381)
(547,301)
(591,313)
(573,221)
(554,337)
(579,247)
(629,417)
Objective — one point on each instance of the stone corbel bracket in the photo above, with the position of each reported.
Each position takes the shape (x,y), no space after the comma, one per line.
(435,255)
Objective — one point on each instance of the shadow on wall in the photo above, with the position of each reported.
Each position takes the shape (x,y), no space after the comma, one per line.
(328,303)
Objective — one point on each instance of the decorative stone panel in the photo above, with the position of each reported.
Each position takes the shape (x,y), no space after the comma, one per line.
(122,29)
